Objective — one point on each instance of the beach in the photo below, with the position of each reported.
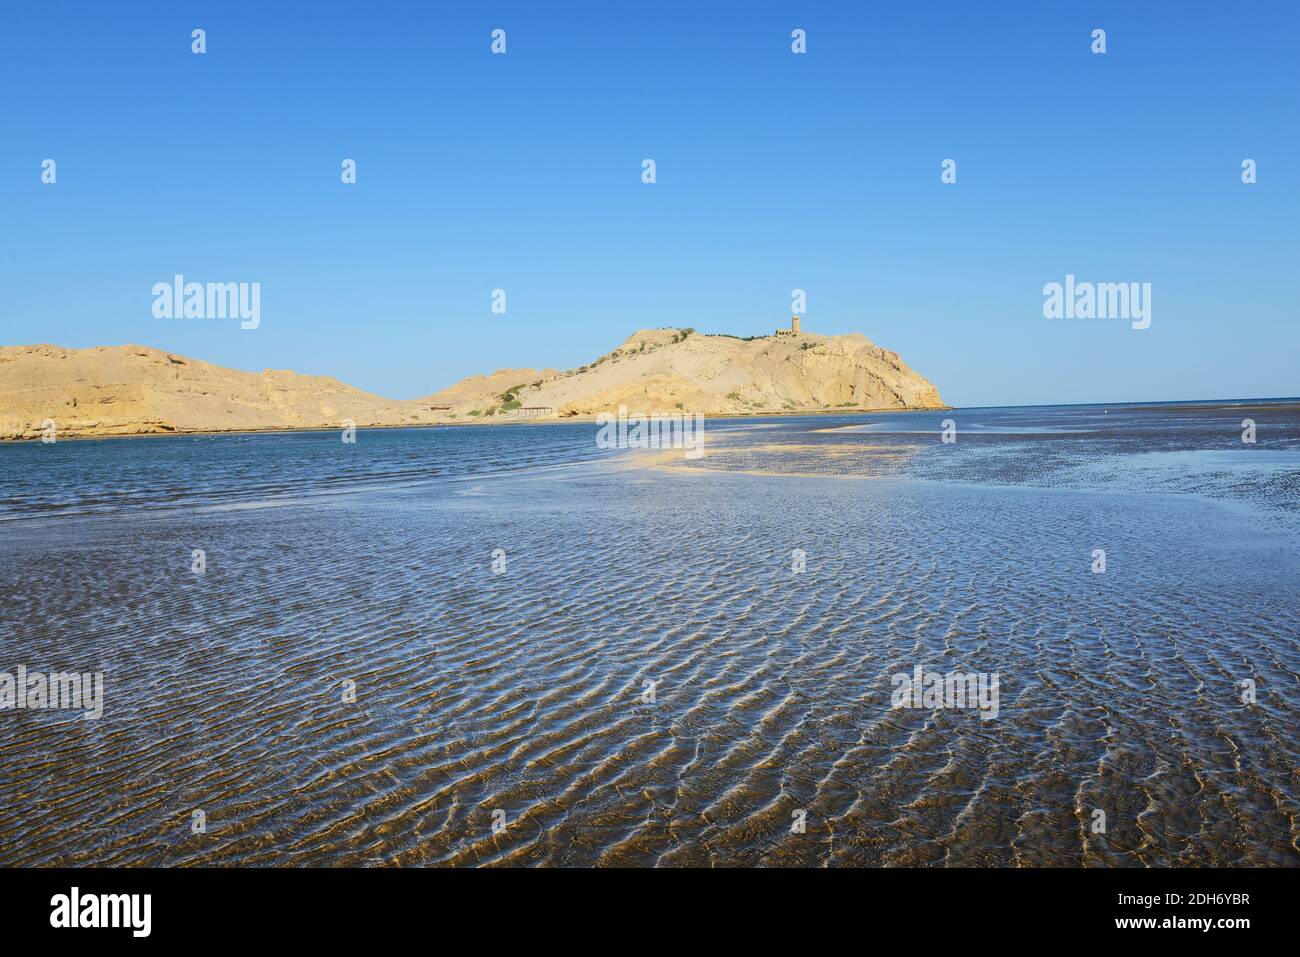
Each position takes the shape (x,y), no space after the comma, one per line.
(507,646)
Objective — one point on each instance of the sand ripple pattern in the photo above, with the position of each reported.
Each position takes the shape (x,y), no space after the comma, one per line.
(523,692)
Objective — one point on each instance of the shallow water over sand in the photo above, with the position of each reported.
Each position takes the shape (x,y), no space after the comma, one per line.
(525,692)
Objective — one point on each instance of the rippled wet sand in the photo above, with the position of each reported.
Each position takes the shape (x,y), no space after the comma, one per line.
(522,692)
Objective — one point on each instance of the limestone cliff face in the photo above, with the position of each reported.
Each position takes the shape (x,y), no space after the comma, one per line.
(130,390)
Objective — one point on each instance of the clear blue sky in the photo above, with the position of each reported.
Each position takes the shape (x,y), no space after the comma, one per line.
(775,171)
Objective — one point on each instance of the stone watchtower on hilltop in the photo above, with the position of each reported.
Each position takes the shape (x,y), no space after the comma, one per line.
(793,330)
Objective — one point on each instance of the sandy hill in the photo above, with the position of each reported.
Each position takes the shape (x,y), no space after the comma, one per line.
(129,390)
(663,370)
